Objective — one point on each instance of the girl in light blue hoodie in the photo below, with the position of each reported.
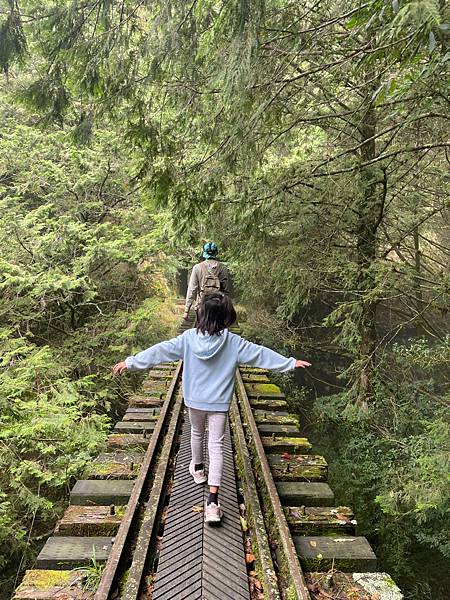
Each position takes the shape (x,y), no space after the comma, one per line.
(210,354)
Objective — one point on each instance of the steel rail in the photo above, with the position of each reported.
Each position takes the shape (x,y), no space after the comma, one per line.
(147,529)
(296,573)
(109,574)
(270,580)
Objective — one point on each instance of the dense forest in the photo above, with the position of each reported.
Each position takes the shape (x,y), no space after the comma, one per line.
(311,142)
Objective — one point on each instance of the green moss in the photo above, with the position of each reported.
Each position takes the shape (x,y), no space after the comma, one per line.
(269,405)
(254,378)
(264,388)
(277,420)
(299,472)
(47,579)
(389,581)
(287,441)
(128,441)
(112,468)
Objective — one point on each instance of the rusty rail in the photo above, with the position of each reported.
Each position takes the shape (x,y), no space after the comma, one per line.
(296,574)
(112,565)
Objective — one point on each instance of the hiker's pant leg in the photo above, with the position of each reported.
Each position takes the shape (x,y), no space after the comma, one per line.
(198,424)
(216,427)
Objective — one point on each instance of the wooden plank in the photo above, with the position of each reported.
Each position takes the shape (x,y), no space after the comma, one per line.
(189,543)
(127,441)
(301,467)
(365,586)
(197,560)
(290,445)
(224,571)
(269,429)
(264,390)
(157,375)
(71,552)
(298,493)
(281,417)
(140,416)
(143,410)
(101,492)
(269,405)
(49,584)
(115,465)
(134,427)
(244,369)
(155,388)
(345,553)
(142,401)
(88,521)
(320,520)
(379,585)
(255,378)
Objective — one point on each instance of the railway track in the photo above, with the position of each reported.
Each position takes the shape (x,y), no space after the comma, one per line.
(134,527)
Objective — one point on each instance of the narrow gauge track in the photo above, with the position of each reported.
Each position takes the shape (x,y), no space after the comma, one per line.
(139,514)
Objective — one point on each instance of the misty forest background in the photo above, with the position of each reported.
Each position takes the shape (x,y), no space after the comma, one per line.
(310,141)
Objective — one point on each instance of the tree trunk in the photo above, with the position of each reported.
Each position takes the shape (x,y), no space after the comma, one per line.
(370,207)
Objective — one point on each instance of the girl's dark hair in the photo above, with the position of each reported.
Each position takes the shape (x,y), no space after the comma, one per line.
(216,312)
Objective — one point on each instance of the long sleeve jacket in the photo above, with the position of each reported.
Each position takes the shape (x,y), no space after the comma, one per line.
(195,281)
(210,363)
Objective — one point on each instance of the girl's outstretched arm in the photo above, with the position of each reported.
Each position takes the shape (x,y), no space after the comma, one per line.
(159,353)
(265,358)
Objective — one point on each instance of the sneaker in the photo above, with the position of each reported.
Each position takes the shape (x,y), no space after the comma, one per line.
(199,476)
(213,513)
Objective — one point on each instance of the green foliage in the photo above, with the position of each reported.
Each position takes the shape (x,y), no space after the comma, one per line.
(393,465)
(84,282)
(48,433)
(13,44)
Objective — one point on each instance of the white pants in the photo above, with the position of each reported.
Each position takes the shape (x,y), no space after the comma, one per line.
(216,432)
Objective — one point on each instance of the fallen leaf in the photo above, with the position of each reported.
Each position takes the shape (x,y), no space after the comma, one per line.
(287,456)
(244,524)
(249,558)
(197,509)
(313,543)
(343,518)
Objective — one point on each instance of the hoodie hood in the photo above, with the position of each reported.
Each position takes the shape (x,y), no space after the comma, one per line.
(205,346)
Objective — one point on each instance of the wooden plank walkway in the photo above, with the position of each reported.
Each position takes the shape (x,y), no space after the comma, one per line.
(199,561)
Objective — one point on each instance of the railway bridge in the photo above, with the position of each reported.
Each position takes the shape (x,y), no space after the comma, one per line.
(135,525)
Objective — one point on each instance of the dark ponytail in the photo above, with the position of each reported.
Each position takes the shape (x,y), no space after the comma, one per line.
(216,313)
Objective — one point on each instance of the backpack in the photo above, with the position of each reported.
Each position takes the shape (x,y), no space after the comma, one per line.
(210,281)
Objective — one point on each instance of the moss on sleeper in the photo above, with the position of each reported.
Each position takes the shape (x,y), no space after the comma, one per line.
(43,579)
(295,442)
(263,388)
(97,470)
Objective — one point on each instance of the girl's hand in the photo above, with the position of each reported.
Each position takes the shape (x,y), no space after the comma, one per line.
(302,364)
(119,368)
